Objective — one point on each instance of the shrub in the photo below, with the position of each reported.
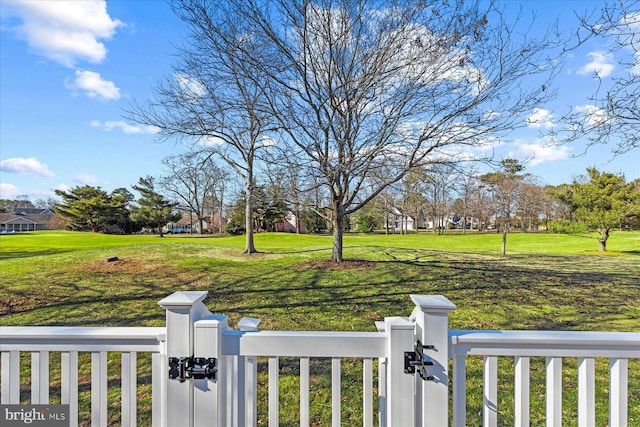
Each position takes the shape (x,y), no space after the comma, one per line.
(566,226)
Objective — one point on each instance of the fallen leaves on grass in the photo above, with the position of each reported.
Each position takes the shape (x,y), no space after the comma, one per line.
(347,264)
(125,265)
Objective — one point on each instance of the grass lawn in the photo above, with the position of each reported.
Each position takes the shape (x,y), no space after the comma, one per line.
(547,281)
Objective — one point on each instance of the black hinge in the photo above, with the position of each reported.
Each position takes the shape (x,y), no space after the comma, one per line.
(184,368)
(417,358)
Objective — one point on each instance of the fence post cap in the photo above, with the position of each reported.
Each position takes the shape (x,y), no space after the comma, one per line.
(249,324)
(182,300)
(396,323)
(433,303)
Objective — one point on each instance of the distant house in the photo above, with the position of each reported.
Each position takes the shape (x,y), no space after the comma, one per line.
(289,224)
(187,224)
(399,221)
(26,220)
(452,221)
(183,225)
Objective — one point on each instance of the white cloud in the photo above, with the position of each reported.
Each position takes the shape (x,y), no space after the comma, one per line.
(210,141)
(22,166)
(85,178)
(602,64)
(540,118)
(266,142)
(8,191)
(539,152)
(92,84)
(64,31)
(62,187)
(595,116)
(111,125)
(191,89)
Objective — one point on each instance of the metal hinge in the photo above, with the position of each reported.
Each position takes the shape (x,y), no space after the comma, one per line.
(184,368)
(417,359)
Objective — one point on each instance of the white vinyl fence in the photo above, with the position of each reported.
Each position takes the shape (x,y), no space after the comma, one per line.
(206,374)
(68,343)
(618,347)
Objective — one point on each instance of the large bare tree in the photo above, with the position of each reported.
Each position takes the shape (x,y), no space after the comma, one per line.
(213,97)
(365,91)
(358,91)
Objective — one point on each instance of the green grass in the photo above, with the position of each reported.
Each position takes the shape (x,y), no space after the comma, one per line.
(547,281)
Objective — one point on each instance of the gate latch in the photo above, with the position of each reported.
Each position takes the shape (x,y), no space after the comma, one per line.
(184,368)
(417,359)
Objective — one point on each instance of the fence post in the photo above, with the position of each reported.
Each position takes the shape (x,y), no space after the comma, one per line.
(183,309)
(400,391)
(431,317)
(212,406)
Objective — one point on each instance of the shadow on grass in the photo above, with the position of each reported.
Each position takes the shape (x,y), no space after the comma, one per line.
(523,292)
(26,254)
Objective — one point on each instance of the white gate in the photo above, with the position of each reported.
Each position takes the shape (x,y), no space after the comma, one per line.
(213,369)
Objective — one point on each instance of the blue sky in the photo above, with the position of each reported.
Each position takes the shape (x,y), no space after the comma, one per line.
(67,70)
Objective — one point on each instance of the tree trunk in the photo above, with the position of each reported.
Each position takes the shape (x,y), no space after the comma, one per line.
(338,231)
(505,231)
(503,251)
(602,240)
(221,230)
(248,212)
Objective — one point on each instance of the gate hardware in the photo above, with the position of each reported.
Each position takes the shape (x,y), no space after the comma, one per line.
(184,368)
(417,358)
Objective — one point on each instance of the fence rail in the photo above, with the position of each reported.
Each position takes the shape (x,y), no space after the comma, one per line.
(619,347)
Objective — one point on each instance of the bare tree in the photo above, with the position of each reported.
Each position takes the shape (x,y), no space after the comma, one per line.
(191,179)
(506,187)
(614,114)
(466,186)
(532,204)
(360,91)
(213,97)
(365,91)
(482,205)
(438,190)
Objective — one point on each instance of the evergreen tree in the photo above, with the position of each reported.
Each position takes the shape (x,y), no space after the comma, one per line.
(91,208)
(153,209)
(603,202)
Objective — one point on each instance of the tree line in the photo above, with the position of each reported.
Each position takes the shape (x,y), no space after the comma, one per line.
(436,199)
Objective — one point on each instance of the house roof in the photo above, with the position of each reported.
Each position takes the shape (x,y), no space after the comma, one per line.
(32,211)
(397,211)
(186,220)
(7,218)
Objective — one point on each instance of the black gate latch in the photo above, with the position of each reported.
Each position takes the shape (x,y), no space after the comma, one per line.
(184,368)
(417,358)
